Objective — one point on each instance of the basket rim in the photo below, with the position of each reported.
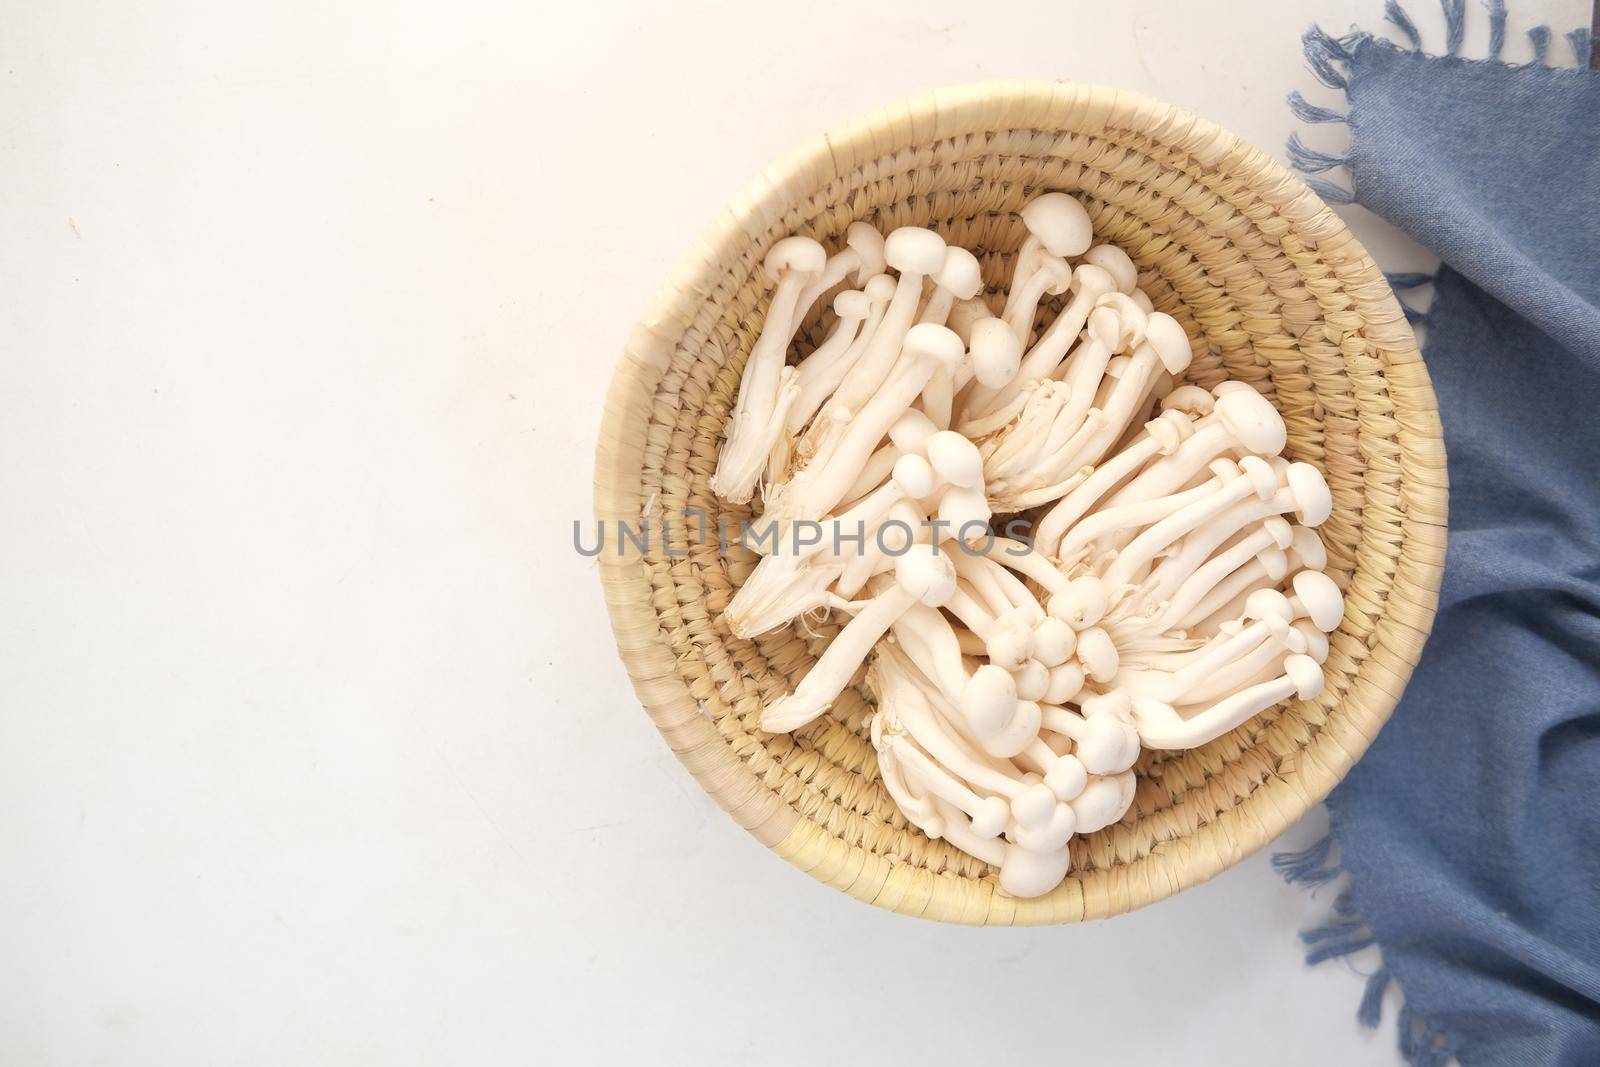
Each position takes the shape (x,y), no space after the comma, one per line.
(1240,829)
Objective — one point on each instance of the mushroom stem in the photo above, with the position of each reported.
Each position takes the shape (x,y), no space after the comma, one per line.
(822,372)
(792,262)
(1161,726)
(1162,436)
(920,576)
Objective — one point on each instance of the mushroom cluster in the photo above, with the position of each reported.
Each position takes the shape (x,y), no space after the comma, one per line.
(1159,582)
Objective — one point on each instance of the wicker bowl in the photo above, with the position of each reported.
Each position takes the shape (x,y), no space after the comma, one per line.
(1273,290)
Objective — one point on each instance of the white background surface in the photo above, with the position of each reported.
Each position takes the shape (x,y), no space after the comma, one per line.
(314,748)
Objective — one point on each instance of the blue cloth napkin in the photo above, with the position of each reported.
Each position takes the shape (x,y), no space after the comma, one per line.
(1471,830)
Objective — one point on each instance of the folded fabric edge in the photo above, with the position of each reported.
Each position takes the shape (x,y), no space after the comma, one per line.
(1329,58)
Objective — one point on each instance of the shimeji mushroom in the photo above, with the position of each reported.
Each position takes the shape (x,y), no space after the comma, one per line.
(862,255)
(1161,437)
(996,355)
(1239,422)
(1058,226)
(1103,735)
(860,311)
(921,575)
(1116,523)
(792,263)
(1199,687)
(855,434)
(982,701)
(993,794)
(1163,346)
(1188,587)
(1255,478)
(1164,598)
(1089,285)
(1161,726)
(1052,277)
(1115,262)
(793,579)
(960,278)
(1305,551)
(915,253)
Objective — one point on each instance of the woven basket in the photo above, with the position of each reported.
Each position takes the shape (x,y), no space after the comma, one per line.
(1272,289)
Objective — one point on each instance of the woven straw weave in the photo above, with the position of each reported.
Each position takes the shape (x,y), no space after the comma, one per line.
(1272,289)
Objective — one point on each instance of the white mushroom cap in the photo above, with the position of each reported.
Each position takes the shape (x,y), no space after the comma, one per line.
(1053,834)
(910,432)
(1103,801)
(1115,262)
(1268,604)
(996,353)
(914,250)
(914,475)
(1098,654)
(991,818)
(879,288)
(1308,548)
(1316,640)
(965,315)
(1274,563)
(1093,281)
(961,506)
(1066,777)
(1190,399)
(794,254)
(1170,429)
(867,243)
(1105,327)
(1066,682)
(1032,680)
(1252,419)
(957,459)
(1320,598)
(989,700)
(1008,647)
(1082,604)
(1034,805)
(1313,502)
(1108,745)
(961,274)
(1281,532)
(1306,675)
(852,304)
(1025,873)
(1053,642)
(1169,341)
(1133,320)
(926,574)
(1263,479)
(1142,298)
(1058,275)
(1060,223)
(936,342)
(1017,734)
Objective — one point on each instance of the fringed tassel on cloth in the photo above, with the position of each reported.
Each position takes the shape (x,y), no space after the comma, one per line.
(1497,27)
(1540,36)
(1346,933)
(1455,25)
(1395,14)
